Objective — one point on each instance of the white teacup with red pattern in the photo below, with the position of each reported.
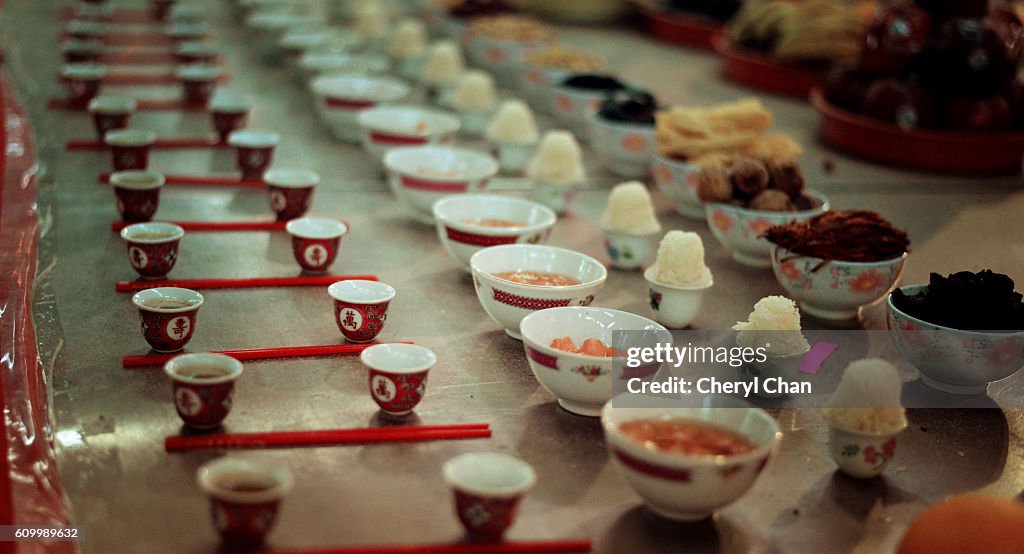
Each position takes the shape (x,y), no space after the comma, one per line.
(291,191)
(152,247)
(111,113)
(168,316)
(361,308)
(254,151)
(129,148)
(487,488)
(245,497)
(398,375)
(203,387)
(316,241)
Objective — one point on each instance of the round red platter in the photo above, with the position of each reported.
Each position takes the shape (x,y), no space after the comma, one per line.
(689,30)
(758,71)
(943,151)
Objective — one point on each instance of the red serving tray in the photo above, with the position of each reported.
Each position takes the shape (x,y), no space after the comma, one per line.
(758,71)
(940,151)
(680,28)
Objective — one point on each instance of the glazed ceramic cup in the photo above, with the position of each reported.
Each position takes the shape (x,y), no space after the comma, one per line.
(111,113)
(137,193)
(361,308)
(398,375)
(198,82)
(203,386)
(678,181)
(421,175)
(82,51)
(152,247)
(129,148)
(388,127)
(625,148)
(340,99)
(82,81)
(674,307)
(316,241)
(195,53)
(245,498)
(291,191)
(513,157)
(254,152)
(556,196)
(487,488)
(862,455)
(168,316)
(628,251)
(461,222)
(229,113)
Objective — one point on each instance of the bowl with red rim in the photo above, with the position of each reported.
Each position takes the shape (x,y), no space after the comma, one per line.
(575,279)
(338,62)
(468,223)
(677,179)
(583,381)
(340,98)
(422,175)
(389,127)
(739,229)
(684,486)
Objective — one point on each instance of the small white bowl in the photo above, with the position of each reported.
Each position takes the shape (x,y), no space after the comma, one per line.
(475,122)
(674,307)
(318,63)
(455,218)
(583,383)
(513,157)
(508,303)
(573,107)
(862,455)
(629,252)
(422,175)
(687,487)
(833,289)
(739,229)
(340,98)
(498,57)
(538,84)
(678,181)
(556,196)
(625,148)
(389,127)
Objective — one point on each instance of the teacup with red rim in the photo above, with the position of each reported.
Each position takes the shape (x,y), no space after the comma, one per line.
(129,148)
(180,31)
(361,308)
(316,241)
(291,191)
(77,51)
(82,81)
(229,112)
(85,29)
(398,375)
(152,247)
(190,52)
(488,487)
(111,113)
(137,193)
(245,497)
(203,385)
(199,81)
(255,151)
(168,316)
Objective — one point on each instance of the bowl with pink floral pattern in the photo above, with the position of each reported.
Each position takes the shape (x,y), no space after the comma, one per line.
(739,229)
(952,360)
(833,289)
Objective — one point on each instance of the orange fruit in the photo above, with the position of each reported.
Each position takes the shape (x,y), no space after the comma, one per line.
(968,523)
(564,343)
(594,347)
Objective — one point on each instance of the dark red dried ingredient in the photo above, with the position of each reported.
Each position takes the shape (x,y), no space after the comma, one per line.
(849,236)
(983,301)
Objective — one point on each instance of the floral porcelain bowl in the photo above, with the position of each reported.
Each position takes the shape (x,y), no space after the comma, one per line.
(583,383)
(952,360)
(831,289)
(739,229)
(678,181)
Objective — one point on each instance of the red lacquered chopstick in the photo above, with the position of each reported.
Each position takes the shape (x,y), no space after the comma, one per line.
(201,181)
(169,142)
(504,547)
(148,360)
(142,105)
(197,226)
(253,282)
(326,437)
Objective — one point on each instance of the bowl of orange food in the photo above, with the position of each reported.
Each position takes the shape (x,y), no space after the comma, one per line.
(686,461)
(570,352)
(468,223)
(514,280)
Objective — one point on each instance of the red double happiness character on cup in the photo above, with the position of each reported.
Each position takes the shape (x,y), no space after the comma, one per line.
(316,241)
(137,193)
(229,112)
(488,488)
(198,82)
(129,148)
(291,191)
(168,316)
(254,151)
(82,82)
(361,308)
(245,498)
(203,387)
(111,113)
(398,375)
(152,247)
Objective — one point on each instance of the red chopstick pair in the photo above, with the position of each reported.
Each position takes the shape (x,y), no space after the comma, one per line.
(565,546)
(328,437)
(201,181)
(252,282)
(167,143)
(142,105)
(150,360)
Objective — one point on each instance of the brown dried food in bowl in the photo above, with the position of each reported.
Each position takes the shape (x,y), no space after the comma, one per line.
(748,177)
(713,184)
(771,200)
(849,236)
(787,177)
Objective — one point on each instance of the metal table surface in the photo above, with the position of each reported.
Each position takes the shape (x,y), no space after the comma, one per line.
(133,497)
